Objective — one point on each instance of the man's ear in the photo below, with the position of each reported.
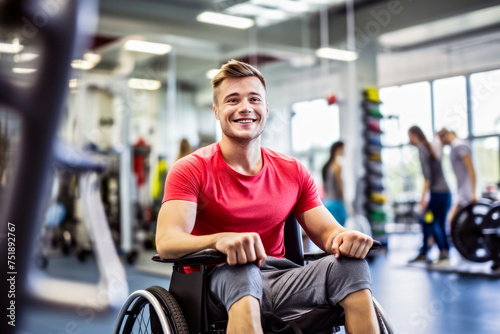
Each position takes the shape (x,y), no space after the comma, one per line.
(267,110)
(215,112)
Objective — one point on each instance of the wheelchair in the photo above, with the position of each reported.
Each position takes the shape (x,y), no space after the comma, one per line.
(189,308)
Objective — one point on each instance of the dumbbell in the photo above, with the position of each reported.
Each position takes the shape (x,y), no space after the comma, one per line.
(475,231)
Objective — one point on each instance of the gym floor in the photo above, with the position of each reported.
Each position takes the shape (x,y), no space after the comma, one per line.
(416,300)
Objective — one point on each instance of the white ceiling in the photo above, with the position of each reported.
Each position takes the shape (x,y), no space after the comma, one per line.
(200,47)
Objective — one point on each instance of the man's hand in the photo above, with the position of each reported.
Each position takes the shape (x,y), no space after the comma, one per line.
(241,248)
(351,244)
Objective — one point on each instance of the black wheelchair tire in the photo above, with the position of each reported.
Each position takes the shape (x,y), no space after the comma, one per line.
(383,321)
(135,312)
(171,308)
(143,313)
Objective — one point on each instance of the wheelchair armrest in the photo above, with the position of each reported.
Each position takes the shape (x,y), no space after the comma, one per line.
(204,257)
(317,256)
(376,245)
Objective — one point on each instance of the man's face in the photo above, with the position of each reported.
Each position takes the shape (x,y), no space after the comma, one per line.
(445,139)
(242,109)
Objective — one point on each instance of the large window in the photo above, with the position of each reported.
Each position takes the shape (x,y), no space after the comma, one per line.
(315,125)
(403,107)
(450,105)
(485,97)
(411,104)
(486,161)
(402,166)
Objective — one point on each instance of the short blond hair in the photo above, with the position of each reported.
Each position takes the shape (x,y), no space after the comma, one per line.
(234,69)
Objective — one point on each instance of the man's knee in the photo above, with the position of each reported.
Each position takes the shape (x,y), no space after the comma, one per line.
(345,276)
(231,283)
(239,274)
(347,266)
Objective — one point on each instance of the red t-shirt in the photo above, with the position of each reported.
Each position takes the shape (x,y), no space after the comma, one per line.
(232,202)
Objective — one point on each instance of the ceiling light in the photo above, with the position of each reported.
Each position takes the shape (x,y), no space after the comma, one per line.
(147,47)
(287,5)
(88,62)
(13,47)
(92,57)
(212,73)
(245,9)
(73,83)
(337,54)
(21,70)
(80,64)
(135,83)
(225,20)
(24,57)
(303,61)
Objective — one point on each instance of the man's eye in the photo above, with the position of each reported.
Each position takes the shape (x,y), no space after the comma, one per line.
(255,99)
(231,100)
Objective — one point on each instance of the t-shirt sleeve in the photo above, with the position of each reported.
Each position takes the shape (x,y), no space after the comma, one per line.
(184,180)
(462,151)
(309,195)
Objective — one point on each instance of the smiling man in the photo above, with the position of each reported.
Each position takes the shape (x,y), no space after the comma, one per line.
(235,196)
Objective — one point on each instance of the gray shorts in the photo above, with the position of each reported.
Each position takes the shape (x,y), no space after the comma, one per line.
(288,290)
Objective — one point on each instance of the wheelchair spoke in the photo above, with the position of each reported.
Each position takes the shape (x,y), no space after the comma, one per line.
(149,321)
(141,321)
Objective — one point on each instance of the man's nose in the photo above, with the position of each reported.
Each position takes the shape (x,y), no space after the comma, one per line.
(245,106)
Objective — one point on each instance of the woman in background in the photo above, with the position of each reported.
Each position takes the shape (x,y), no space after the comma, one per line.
(332,183)
(433,218)
(184,149)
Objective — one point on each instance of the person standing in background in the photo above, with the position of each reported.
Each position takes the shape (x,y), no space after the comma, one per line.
(332,183)
(433,219)
(461,161)
(184,149)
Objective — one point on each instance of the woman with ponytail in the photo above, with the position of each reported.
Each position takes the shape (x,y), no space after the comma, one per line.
(433,218)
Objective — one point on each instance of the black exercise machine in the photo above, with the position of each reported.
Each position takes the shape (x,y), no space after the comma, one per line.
(475,231)
(39,106)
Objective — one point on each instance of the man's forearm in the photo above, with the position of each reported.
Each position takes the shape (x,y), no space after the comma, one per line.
(472,175)
(175,244)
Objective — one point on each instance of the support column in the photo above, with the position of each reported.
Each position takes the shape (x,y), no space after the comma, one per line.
(356,75)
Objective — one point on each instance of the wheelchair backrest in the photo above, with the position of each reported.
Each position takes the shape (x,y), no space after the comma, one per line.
(293,240)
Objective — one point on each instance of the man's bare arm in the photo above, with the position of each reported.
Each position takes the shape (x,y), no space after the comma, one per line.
(173,239)
(330,236)
(472,175)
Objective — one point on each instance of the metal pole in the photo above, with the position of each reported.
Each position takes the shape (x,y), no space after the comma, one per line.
(170,129)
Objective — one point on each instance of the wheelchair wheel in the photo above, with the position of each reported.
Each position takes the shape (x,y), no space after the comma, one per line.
(383,320)
(153,310)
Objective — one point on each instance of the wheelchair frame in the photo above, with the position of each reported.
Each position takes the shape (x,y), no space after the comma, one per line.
(191,292)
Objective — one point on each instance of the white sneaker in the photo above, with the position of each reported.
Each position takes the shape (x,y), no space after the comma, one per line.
(442,261)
